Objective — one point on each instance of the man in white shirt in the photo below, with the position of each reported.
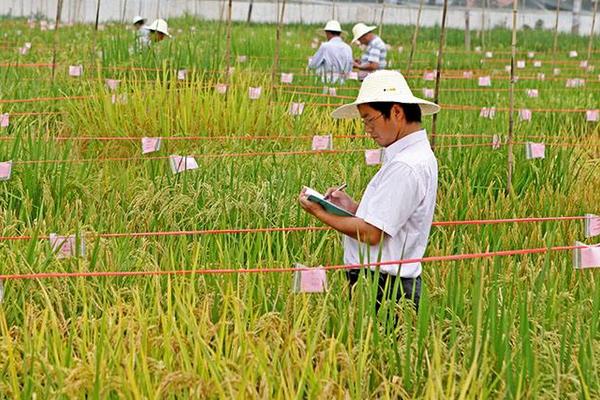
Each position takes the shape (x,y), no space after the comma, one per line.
(393,219)
(142,32)
(333,60)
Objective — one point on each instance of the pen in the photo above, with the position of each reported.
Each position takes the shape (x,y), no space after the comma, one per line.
(336,190)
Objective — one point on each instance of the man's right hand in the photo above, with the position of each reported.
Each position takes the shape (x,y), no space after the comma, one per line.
(341,199)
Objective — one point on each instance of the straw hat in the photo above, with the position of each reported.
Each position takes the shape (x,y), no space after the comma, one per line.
(159,25)
(138,18)
(384,86)
(333,26)
(360,29)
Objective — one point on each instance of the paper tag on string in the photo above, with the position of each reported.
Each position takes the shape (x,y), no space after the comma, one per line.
(489,54)
(429,76)
(182,163)
(254,92)
(296,108)
(496,142)
(535,150)
(118,98)
(537,64)
(592,115)
(583,64)
(525,114)
(530,54)
(182,75)
(592,225)
(468,74)
(5,170)
(112,84)
(221,88)
(532,93)
(4,120)
(311,281)
(575,83)
(586,257)
(485,81)
(242,58)
(66,246)
(573,54)
(520,64)
(488,112)
(541,76)
(287,77)
(373,157)
(75,70)
(323,142)
(150,144)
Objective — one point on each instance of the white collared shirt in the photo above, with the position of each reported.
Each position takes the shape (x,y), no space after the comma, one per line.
(333,60)
(399,200)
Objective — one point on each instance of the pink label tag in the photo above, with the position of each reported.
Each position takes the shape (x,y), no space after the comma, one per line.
(525,114)
(5,170)
(468,74)
(66,246)
(23,51)
(428,93)
(592,115)
(75,70)
(485,81)
(4,120)
(373,157)
(312,281)
(429,76)
(332,91)
(489,54)
(400,49)
(575,83)
(477,49)
(119,98)
(112,84)
(230,71)
(254,92)
(324,142)
(496,142)
(352,76)
(508,68)
(573,54)
(541,76)
(535,150)
(150,144)
(592,225)
(242,58)
(521,64)
(296,108)
(530,54)
(182,74)
(221,88)
(583,64)
(586,257)
(537,64)
(556,71)
(488,112)
(287,78)
(182,163)
(532,93)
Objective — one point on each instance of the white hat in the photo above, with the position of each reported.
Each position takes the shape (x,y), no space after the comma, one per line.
(333,26)
(138,18)
(360,29)
(159,25)
(384,86)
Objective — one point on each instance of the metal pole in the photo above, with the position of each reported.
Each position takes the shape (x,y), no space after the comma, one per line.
(511,94)
(97,15)
(438,73)
(413,45)
(250,5)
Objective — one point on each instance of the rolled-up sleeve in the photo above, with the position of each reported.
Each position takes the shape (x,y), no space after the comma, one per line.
(397,196)
(373,55)
(318,58)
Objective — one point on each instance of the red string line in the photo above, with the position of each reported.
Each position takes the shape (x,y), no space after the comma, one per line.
(298,228)
(222,271)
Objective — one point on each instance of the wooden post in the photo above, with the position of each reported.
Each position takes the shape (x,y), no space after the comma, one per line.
(277,42)
(381,18)
(467,29)
(590,43)
(438,72)
(97,15)
(124,12)
(511,94)
(250,5)
(228,43)
(413,45)
(555,45)
(59,5)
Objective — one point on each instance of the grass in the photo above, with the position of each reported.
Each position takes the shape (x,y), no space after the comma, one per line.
(509,327)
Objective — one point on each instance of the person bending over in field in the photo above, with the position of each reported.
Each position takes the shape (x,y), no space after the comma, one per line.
(159,30)
(374,56)
(333,60)
(393,219)
(142,32)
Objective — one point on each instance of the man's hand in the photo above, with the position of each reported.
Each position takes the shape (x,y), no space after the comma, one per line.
(341,199)
(309,206)
(356,63)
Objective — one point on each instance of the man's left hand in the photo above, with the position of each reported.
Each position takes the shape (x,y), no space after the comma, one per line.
(309,206)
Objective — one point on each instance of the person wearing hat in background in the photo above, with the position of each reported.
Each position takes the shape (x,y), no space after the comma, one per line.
(142,32)
(374,56)
(333,60)
(393,218)
(158,30)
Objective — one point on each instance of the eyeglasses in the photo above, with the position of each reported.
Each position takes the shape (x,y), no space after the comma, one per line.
(371,121)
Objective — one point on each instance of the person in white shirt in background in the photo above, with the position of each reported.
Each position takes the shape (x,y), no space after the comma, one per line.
(159,30)
(375,55)
(333,60)
(393,219)
(142,32)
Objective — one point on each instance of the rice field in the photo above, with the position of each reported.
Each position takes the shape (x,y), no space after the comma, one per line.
(516,326)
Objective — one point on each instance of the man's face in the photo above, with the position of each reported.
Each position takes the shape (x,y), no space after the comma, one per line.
(383,130)
(157,36)
(365,39)
(138,25)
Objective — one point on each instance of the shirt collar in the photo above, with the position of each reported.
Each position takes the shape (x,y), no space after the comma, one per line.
(401,144)
(336,38)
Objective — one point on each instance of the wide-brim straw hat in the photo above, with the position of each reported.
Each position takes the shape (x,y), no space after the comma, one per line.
(360,29)
(159,25)
(333,26)
(384,86)
(138,18)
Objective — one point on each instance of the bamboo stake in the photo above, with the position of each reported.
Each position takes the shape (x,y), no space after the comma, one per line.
(124,12)
(381,18)
(590,43)
(555,45)
(97,15)
(438,73)
(467,29)
(250,6)
(228,44)
(413,45)
(511,94)
(59,4)
(277,42)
